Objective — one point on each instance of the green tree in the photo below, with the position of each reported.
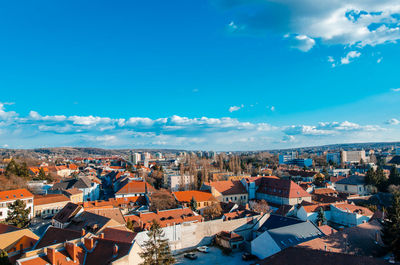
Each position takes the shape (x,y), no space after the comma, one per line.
(156,250)
(42,174)
(376,178)
(391,227)
(18,214)
(193,204)
(394,177)
(321,219)
(4,258)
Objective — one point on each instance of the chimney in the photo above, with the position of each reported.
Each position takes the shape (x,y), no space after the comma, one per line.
(157,211)
(89,243)
(72,250)
(325,247)
(51,255)
(101,235)
(83,232)
(115,250)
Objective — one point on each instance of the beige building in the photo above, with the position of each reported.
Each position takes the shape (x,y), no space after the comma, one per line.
(49,205)
(227,191)
(74,195)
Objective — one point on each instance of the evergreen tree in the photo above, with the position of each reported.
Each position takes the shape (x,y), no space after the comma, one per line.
(42,174)
(394,177)
(18,215)
(391,227)
(321,219)
(156,250)
(193,204)
(4,258)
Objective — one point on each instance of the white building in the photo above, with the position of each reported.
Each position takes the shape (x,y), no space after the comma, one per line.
(175,182)
(9,196)
(353,156)
(334,157)
(352,185)
(135,158)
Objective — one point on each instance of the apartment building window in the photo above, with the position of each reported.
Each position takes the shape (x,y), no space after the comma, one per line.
(30,200)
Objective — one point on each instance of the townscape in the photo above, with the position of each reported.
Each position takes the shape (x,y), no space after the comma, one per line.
(336,206)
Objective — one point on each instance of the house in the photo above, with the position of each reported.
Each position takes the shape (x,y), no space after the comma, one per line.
(280,191)
(48,205)
(278,233)
(310,212)
(229,240)
(16,241)
(325,191)
(227,191)
(85,250)
(96,220)
(90,189)
(354,184)
(10,196)
(203,199)
(134,188)
(75,195)
(164,218)
(54,235)
(349,214)
(63,218)
(362,240)
(302,175)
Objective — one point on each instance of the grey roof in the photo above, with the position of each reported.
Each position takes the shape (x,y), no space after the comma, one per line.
(277,221)
(81,183)
(353,180)
(295,234)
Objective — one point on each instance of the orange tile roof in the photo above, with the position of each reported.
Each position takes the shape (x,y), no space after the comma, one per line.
(354,209)
(281,188)
(135,187)
(315,207)
(9,195)
(228,187)
(199,196)
(49,198)
(165,218)
(72,166)
(325,191)
(118,202)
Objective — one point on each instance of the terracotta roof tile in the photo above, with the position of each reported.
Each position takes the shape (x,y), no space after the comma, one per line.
(228,187)
(9,195)
(199,196)
(49,198)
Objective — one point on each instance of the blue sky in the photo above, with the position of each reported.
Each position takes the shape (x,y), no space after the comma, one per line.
(215,74)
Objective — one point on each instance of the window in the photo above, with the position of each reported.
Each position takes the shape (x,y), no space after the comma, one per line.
(30,201)
(1,213)
(345,187)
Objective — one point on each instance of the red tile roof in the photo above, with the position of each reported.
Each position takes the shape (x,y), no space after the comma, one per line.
(4,228)
(354,209)
(281,188)
(134,187)
(199,196)
(325,191)
(165,218)
(228,187)
(9,195)
(49,198)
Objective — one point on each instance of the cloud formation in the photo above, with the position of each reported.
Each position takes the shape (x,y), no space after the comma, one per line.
(36,130)
(351,23)
(349,57)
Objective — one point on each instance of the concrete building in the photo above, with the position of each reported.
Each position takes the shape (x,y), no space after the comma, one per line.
(135,158)
(284,158)
(49,205)
(333,157)
(352,185)
(353,156)
(227,191)
(10,196)
(174,181)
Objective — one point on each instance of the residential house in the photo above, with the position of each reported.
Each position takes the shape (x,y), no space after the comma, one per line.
(134,188)
(278,233)
(63,218)
(173,181)
(16,241)
(203,199)
(164,218)
(229,240)
(49,205)
(75,195)
(227,191)
(10,196)
(354,184)
(349,214)
(90,189)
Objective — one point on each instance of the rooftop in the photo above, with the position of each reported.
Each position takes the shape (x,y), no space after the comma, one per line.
(199,196)
(9,195)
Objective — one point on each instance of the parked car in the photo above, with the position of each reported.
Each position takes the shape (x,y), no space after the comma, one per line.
(191,256)
(203,249)
(248,256)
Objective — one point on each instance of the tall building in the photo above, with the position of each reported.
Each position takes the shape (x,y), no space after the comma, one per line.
(135,158)
(333,157)
(353,156)
(284,158)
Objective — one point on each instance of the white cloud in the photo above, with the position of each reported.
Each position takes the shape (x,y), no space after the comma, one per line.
(396,89)
(379,60)
(351,23)
(348,58)
(235,108)
(302,43)
(393,121)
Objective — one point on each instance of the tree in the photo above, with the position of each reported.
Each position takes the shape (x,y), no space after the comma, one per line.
(321,219)
(319,180)
(391,227)
(259,206)
(162,200)
(376,178)
(193,204)
(156,250)
(18,214)
(394,177)
(212,212)
(4,258)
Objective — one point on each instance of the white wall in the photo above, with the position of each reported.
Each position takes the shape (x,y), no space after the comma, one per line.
(264,246)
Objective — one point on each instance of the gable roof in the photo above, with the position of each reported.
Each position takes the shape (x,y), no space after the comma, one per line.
(7,240)
(228,187)
(49,198)
(199,196)
(364,239)
(4,228)
(54,235)
(122,235)
(9,195)
(352,180)
(135,187)
(354,209)
(91,222)
(112,213)
(68,212)
(281,188)
(277,221)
